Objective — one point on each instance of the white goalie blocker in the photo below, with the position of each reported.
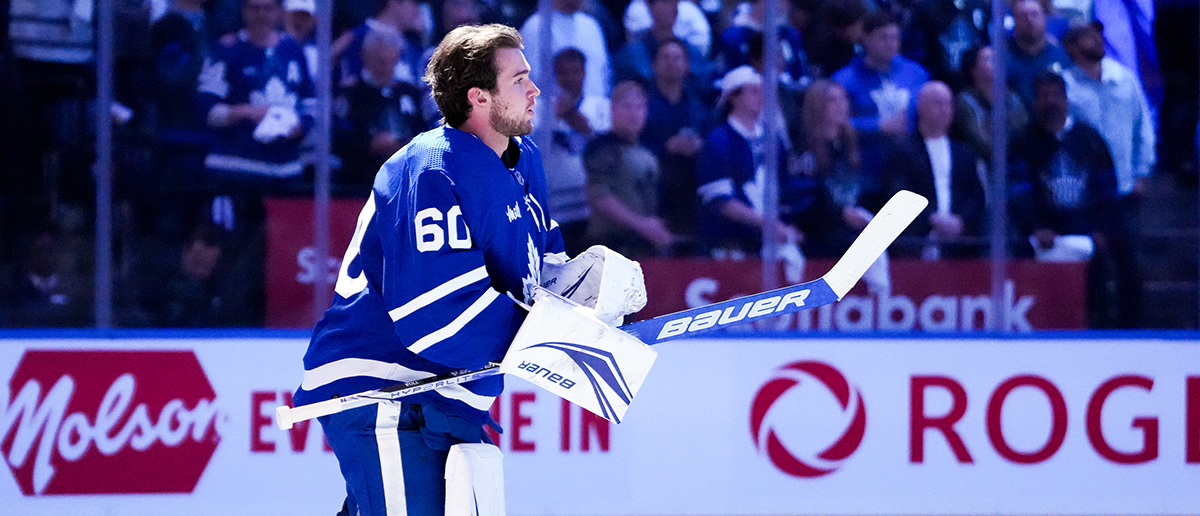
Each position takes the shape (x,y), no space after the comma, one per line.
(563,348)
(569,343)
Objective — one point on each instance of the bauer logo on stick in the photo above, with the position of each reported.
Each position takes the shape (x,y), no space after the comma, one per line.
(751,309)
(562,347)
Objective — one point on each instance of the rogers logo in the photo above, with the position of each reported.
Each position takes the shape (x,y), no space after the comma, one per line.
(107,422)
(806,454)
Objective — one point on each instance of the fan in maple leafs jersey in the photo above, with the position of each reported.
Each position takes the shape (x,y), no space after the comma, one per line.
(431,294)
(275,77)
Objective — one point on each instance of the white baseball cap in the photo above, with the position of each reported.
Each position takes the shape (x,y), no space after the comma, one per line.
(308,6)
(736,78)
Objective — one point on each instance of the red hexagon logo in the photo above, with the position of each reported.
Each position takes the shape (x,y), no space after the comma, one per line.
(107,422)
(816,453)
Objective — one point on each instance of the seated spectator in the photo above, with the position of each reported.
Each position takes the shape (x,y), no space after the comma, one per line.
(635,60)
(300,22)
(622,182)
(823,190)
(882,86)
(691,25)
(973,105)
(577,117)
(258,99)
(1065,184)
(938,32)
(382,113)
(570,27)
(677,120)
(734,48)
(1031,50)
(730,171)
(836,33)
(945,171)
(180,43)
(43,291)
(197,293)
(402,16)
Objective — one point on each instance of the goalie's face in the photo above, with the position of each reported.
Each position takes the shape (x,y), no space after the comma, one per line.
(511,107)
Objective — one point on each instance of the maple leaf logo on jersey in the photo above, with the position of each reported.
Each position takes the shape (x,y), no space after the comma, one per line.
(535,272)
(890,99)
(212,78)
(274,94)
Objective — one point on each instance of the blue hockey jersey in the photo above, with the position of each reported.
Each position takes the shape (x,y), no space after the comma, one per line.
(241,73)
(447,235)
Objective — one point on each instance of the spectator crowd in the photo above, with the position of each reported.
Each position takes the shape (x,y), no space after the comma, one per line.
(653,124)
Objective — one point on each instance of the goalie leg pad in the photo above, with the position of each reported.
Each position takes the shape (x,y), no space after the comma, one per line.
(474,480)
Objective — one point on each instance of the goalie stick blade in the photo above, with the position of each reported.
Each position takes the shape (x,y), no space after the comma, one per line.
(887,225)
(883,229)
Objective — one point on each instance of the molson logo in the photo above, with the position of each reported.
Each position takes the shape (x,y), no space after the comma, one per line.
(807,419)
(107,422)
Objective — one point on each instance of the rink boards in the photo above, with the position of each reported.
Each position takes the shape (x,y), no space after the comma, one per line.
(1073,423)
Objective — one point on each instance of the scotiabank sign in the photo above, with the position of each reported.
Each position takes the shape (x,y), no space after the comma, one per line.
(950,295)
(107,422)
(293,263)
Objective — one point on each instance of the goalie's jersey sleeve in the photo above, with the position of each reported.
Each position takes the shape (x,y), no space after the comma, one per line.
(447,235)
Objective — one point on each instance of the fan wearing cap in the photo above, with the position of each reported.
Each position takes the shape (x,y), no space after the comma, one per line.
(731,171)
(1109,96)
(300,23)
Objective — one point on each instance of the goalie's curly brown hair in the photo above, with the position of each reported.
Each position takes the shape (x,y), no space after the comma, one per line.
(465,59)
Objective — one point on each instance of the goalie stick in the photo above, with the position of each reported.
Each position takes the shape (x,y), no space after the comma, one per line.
(883,229)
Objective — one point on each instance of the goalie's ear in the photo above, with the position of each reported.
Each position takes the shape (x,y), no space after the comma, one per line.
(562,348)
